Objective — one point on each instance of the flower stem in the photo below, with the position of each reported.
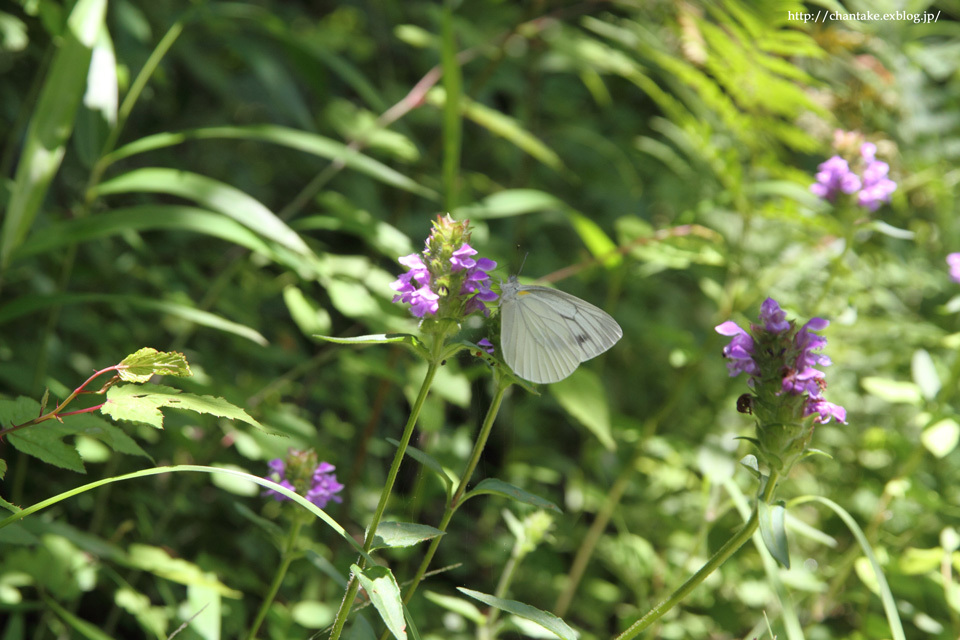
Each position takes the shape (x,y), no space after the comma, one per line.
(287,558)
(478,447)
(728,549)
(354,585)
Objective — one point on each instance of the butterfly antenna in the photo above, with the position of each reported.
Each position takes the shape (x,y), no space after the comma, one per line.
(523,262)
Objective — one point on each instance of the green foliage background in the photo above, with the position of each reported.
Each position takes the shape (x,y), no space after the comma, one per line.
(237,177)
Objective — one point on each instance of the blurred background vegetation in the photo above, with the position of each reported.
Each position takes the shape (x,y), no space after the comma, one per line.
(239,176)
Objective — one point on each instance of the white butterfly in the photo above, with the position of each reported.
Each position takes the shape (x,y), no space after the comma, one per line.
(545,334)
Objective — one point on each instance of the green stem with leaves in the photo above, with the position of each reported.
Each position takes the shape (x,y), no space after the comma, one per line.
(454,502)
(289,552)
(728,549)
(354,585)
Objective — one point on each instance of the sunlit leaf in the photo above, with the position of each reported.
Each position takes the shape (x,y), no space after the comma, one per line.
(546,620)
(142,403)
(148,362)
(384,593)
(494,486)
(403,534)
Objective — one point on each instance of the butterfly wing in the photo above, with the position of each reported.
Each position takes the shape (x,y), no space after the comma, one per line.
(547,333)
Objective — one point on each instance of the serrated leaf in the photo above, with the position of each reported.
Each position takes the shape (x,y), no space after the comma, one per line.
(147,362)
(391,535)
(546,620)
(384,593)
(44,440)
(94,426)
(457,605)
(142,404)
(773,531)
(428,461)
(498,487)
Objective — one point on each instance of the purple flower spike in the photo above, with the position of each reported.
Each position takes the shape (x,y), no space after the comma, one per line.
(953,260)
(833,178)
(773,317)
(461,258)
(317,481)
(740,349)
(486,345)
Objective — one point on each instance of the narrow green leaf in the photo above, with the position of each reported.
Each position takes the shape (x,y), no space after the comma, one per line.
(392,535)
(405,339)
(142,403)
(384,593)
(157,218)
(595,239)
(147,362)
(546,620)
(773,531)
(886,597)
(584,397)
(293,138)
(428,461)
(81,626)
(98,113)
(310,317)
(501,125)
(457,605)
(29,304)
(494,486)
(158,562)
(212,194)
(51,124)
(509,203)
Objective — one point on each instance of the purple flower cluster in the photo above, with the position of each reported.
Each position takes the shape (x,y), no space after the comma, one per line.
(323,486)
(446,280)
(794,358)
(874,187)
(877,187)
(477,281)
(953,261)
(413,287)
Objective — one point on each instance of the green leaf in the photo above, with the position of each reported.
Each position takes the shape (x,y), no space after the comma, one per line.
(392,535)
(361,629)
(457,605)
(886,597)
(158,562)
(158,218)
(142,403)
(501,125)
(925,374)
(893,391)
(773,531)
(44,440)
(148,362)
(293,138)
(81,626)
(205,610)
(384,593)
(494,486)
(404,339)
(584,397)
(51,124)
(509,203)
(941,438)
(428,461)
(214,195)
(596,240)
(310,317)
(29,304)
(546,620)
